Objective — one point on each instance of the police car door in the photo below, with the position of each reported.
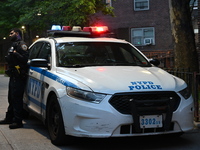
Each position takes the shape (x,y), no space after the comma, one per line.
(36,85)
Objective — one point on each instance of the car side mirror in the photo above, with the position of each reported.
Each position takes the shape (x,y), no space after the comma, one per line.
(155,62)
(39,63)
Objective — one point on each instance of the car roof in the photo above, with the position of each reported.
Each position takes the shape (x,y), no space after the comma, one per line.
(83,39)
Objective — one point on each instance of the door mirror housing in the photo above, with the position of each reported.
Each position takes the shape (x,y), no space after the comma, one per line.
(39,63)
(155,62)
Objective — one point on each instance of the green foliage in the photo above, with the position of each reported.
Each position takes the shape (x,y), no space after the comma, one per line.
(2,69)
(7,19)
(42,14)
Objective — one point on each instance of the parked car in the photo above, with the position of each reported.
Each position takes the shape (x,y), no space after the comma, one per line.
(85,84)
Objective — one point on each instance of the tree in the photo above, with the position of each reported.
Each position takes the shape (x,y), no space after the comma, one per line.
(42,14)
(183,34)
(8,18)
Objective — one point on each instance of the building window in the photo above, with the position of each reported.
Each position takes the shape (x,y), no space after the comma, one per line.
(141,5)
(142,36)
(108,2)
(194,4)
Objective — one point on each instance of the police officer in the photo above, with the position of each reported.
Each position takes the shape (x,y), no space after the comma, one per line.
(17,68)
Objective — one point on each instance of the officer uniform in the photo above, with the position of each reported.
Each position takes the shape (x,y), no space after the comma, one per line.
(17,71)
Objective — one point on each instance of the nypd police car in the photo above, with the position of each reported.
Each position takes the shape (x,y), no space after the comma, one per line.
(84,84)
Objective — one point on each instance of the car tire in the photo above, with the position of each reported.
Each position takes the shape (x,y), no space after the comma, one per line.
(55,123)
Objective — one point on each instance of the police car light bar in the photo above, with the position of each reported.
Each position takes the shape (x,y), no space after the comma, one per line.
(76,31)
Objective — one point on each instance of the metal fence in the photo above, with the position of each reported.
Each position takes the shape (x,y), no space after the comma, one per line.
(193,81)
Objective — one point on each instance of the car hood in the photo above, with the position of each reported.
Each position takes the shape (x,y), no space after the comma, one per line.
(117,79)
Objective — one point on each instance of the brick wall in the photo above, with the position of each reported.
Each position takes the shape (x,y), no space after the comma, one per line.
(126,18)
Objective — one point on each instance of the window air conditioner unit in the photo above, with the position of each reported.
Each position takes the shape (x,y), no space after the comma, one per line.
(148,41)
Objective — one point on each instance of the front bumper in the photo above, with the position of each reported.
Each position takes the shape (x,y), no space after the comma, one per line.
(84,119)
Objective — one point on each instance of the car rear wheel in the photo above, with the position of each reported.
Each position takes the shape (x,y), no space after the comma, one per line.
(55,123)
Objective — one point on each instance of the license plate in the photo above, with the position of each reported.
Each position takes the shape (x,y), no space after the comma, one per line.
(151,121)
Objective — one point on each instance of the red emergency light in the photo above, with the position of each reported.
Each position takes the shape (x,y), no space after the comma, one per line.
(66,28)
(96,29)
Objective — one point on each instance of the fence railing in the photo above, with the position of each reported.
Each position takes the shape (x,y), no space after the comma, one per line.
(193,81)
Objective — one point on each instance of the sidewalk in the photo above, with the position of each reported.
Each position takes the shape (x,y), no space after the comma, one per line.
(33,136)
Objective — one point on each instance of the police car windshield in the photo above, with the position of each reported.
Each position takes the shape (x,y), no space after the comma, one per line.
(82,54)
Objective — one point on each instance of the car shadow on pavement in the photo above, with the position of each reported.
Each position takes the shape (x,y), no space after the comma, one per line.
(33,123)
(125,143)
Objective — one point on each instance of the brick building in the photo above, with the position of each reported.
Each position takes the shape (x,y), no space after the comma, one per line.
(144,23)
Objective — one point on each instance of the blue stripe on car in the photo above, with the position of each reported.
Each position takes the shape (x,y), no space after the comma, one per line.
(43,106)
(53,77)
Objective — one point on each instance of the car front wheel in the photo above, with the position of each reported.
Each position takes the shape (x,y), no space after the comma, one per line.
(55,123)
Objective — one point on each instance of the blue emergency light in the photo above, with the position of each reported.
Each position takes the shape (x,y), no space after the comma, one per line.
(56,27)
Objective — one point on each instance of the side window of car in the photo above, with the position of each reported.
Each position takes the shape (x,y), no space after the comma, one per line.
(34,50)
(45,51)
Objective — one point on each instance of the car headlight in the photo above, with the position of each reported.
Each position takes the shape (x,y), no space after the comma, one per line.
(185,92)
(85,95)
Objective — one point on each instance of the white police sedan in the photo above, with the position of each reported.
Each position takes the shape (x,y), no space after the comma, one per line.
(83,84)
